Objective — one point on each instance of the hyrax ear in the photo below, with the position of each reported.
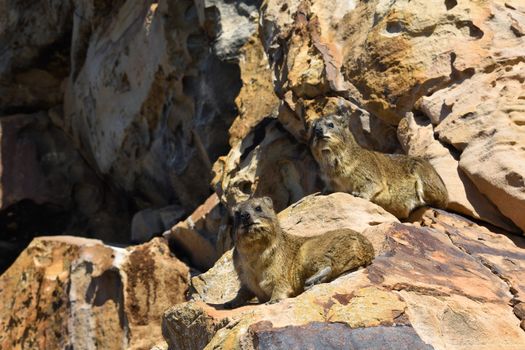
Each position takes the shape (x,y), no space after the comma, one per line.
(268,201)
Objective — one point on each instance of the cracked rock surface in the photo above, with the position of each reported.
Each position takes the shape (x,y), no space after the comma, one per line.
(65,292)
(441,282)
(125,120)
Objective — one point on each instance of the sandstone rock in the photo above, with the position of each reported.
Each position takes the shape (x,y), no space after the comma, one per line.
(417,138)
(482,119)
(442,283)
(151,94)
(48,188)
(73,292)
(35,39)
(218,285)
(196,237)
(149,223)
(389,59)
(267,163)
(160,346)
(256,99)
(335,211)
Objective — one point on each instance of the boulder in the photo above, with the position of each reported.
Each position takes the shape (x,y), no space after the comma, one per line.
(197,236)
(266,163)
(416,135)
(438,283)
(149,223)
(68,291)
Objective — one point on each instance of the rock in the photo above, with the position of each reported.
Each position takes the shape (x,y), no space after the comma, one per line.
(152,92)
(337,210)
(149,223)
(397,58)
(74,292)
(290,172)
(177,321)
(35,40)
(219,284)
(318,335)
(417,138)
(256,99)
(160,346)
(441,282)
(196,237)
(154,278)
(482,119)
(48,188)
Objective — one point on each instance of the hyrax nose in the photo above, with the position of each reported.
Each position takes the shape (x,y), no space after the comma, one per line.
(318,131)
(245,217)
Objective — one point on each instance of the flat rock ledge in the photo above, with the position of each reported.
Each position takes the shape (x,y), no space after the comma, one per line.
(440,282)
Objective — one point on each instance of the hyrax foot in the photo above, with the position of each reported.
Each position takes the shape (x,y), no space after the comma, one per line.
(320,277)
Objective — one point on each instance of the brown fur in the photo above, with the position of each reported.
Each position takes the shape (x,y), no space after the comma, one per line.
(274,265)
(398,183)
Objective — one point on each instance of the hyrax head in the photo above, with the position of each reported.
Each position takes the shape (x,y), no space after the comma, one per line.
(254,217)
(328,129)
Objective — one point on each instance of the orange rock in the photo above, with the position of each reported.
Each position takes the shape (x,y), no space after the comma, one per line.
(74,292)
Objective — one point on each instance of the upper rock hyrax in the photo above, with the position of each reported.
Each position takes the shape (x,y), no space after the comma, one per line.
(396,182)
(274,265)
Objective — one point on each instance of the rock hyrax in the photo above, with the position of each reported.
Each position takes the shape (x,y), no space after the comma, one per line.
(274,265)
(396,182)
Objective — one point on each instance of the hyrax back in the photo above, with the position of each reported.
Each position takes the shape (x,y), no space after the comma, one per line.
(274,265)
(396,182)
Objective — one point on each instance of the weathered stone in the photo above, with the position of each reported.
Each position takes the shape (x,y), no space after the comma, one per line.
(335,211)
(149,223)
(73,292)
(417,138)
(219,284)
(178,322)
(35,38)
(482,119)
(256,99)
(460,64)
(445,285)
(196,236)
(318,335)
(48,188)
(290,172)
(152,92)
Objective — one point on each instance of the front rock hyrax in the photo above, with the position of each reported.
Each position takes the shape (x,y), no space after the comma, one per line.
(274,265)
(396,182)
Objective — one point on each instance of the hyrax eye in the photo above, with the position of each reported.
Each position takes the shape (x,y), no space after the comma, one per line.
(330,125)
(258,208)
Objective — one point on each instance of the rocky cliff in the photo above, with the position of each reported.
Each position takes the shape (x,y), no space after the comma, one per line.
(121,120)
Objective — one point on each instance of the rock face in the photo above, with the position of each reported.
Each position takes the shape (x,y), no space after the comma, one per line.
(35,41)
(73,292)
(121,120)
(390,58)
(48,188)
(442,282)
(145,98)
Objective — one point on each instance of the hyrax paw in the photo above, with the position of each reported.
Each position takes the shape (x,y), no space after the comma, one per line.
(272,301)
